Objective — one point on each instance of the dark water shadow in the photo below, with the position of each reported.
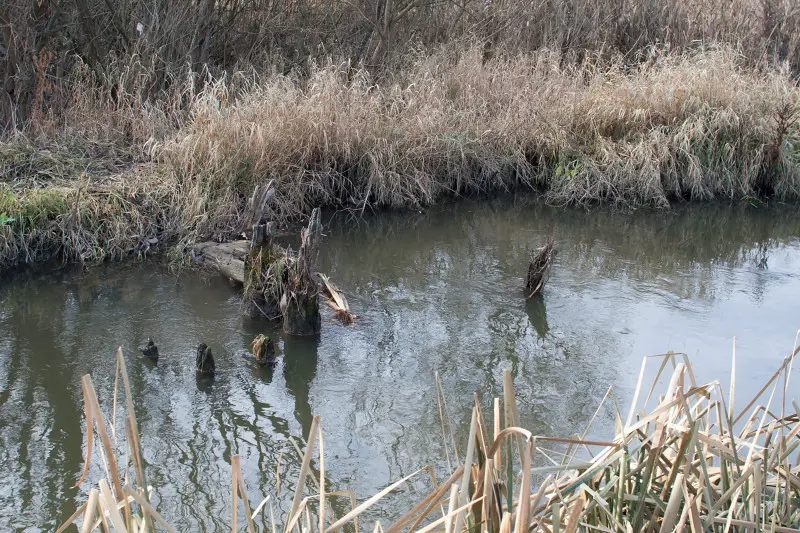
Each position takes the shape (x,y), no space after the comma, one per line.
(205,383)
(537,314)
(300,359)
(264,373)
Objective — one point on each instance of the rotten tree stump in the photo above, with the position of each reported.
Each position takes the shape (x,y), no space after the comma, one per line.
(265,273)
(150,350)
(300,300)
(539,268)
(264,350)
(204,362)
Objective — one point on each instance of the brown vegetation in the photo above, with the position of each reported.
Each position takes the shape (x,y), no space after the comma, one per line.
(145,48)
(691,462)
(121,142)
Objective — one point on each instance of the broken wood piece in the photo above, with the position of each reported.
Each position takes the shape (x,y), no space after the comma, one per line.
(264,350)
(257,204)
(336,300)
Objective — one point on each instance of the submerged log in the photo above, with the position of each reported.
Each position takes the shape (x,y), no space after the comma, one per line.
(150,350)
(300,300)
(539,268)
(264,350)
(204,362)
(227,258)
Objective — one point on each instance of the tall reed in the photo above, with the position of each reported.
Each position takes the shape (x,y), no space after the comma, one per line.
(691,462)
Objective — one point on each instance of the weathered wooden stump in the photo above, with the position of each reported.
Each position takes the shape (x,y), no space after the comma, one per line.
(539,268)
(277,284)
(265,274)
(150,350)
(257,205)
(204,362)
(230,258)
(302,318)
(300,300)
(264,350)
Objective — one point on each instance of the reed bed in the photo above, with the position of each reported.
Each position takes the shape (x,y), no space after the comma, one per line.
(690,462)
(701,126)
(695,126)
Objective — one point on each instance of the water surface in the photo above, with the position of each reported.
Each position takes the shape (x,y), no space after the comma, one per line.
(437,291)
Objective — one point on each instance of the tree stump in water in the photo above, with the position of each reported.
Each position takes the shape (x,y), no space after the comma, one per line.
(264,350)
(204,362)
(302,318)
(539,268)
(265,273)
(300,300)
(150,350)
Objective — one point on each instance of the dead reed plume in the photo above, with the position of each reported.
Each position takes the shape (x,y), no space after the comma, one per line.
(690,462)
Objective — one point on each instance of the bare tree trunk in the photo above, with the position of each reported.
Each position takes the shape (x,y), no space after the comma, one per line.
(201,40)
(88,25)
(8,68)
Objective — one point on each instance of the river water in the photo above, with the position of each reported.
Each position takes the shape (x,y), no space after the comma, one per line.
(437,291)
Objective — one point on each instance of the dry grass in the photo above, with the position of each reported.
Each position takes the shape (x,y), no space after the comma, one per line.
(139,51)
(696,126)
(691,462)
(85,220)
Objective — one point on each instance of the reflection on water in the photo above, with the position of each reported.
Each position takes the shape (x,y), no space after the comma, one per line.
(299,371)
(537,313)
(438,291)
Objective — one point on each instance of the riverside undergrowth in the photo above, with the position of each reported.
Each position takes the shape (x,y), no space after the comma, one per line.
(123,176)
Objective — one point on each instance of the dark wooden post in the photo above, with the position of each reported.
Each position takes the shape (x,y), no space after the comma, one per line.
(539,268)
(301,297)
(150,350)
(256,301)
(204,362)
